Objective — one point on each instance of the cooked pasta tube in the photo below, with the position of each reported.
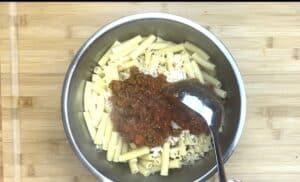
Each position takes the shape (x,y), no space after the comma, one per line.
(143,170)
(197,72)
(174,152)
(182,147)
(99,87)
(148,56)
(134,153)
(147,157)
(146,163)
(127,65)
(99,109)
(118,150)
(91,128)
(124,53)
(103,60)
(211,80)
(107,134)
(112,146)
(128,44)
(97,70)
(88,118)
(157,161)
(175,163)
(159,45)
(205,64)
(88,103)
(133,166)
(124,148)
(155,169)
(101,129)
(188,69)
(142,47)
(165,159)
(173,48)
(169,61)
(220,92)
(193,48)
(95,77)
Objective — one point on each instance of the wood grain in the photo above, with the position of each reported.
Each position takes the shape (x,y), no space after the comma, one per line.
(263,37)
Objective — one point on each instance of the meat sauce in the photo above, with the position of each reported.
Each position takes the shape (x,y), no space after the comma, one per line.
(143,111)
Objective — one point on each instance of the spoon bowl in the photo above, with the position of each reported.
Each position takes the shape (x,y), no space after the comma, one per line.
(202,99)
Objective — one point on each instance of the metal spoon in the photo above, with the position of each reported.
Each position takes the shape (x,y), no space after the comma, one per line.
(202,100)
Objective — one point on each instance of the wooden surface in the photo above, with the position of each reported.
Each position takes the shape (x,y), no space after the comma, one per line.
(38,41)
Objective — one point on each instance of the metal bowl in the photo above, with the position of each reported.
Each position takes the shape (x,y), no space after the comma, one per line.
(169,27)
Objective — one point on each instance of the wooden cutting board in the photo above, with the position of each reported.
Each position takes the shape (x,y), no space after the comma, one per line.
(38,41)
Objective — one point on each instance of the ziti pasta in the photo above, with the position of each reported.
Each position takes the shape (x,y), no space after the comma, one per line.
(158,135)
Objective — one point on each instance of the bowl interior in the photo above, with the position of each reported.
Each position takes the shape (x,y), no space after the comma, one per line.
(168,30)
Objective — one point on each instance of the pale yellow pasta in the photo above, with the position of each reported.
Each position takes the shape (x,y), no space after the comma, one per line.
(118,150)
(128,44)
(159,45)
(124,148)
(107,134)
(124,53)
(111,73)
(88,103)
(88,118)
(188,69)
(175,163)
(174,152)
(182,147)
(133,166)
(173,48)
(146,163)
(132,145)
(205,64)
(211,80)
(99,109)
(89,121)
(103,60)
(142,47)
(169,61)
(134,153)
(157,161)
(155,59)
(154,169)
(165,159)
(221,93)
(193,48)
(98,87)
(127,65)
(144,171)
(198,74)
(101,129)
(148,56)
(95,77)
(147,157)
(97,70)
(112,146)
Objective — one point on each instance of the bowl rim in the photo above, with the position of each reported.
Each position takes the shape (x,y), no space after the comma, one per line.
(130,18)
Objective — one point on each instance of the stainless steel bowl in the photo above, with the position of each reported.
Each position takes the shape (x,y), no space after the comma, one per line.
(169,27)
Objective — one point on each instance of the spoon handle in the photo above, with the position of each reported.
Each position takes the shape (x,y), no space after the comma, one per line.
(222,176)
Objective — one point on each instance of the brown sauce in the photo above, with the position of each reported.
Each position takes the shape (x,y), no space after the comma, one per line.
(142,110)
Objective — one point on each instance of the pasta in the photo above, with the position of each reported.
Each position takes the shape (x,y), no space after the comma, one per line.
(165,160)
(112,146)
(134,153)
(153,56)
(133,166)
